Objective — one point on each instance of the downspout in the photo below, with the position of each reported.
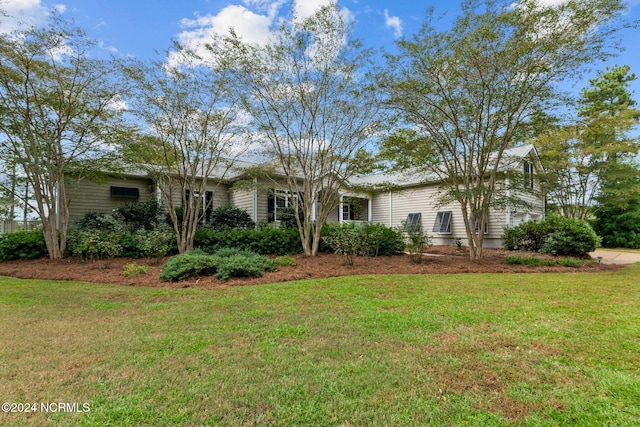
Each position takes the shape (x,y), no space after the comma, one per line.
(390,209)
(255,202)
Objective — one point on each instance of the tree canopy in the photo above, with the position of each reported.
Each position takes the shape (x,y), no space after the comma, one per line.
(470,92)
(60,111)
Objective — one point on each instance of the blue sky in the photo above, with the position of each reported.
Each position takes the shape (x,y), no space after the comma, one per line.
(140,28)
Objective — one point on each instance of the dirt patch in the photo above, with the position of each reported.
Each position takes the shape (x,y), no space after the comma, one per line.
(439,260)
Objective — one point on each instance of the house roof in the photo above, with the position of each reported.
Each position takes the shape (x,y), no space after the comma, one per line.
(511,159)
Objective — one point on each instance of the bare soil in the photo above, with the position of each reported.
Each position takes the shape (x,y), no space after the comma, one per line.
(438,260)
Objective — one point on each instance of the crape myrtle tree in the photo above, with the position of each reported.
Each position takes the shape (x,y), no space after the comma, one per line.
(192,135)
(580,156)
(59,114)
(309,93)
(471,91)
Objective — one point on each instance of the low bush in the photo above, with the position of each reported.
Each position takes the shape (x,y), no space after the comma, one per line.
(22,245)
(417,241)
(537,262)
(242,264)
(224,264)
(133,270)
(284,260)
(187,264)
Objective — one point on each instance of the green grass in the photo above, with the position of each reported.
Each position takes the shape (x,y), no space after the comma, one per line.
(468,349)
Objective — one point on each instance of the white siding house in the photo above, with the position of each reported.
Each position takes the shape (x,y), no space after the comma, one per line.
(389,199)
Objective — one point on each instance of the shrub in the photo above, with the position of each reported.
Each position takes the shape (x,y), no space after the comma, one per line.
(345,240)
(376,239)
(242,264)
(224,264)
(187,264)
(145,215)
(573,237)
(417,241)
(531,261)
(95,244)
(284,260)
(530,235)
(22,245)
(266,241)
(99,221)
(155,242)
(133,269)
(230,217)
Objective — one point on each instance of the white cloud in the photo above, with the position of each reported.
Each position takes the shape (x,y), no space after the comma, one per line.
(21,13)
(393,22)
(304,9)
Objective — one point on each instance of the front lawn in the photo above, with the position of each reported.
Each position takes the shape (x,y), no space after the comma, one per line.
(460,349)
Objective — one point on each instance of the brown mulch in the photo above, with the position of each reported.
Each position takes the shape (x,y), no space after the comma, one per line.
(438,260)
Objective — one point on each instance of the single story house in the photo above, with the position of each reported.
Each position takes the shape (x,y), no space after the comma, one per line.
(389,199)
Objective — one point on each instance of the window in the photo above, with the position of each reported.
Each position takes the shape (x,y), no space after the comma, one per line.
(413,219)
(347,212)
(528,174)
(278,203)
(125,192)
(443,222)
(476,225)
(207,205)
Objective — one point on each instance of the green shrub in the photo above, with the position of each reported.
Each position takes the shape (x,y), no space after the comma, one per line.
(229,217)
(572,238)
(530,235)
(187,264)
(99,221)
(154,242)
(243,264)
(137,215)
(266,241)
(531,261)
(22,245)
(417,241)
(134,270)
(224,264)
(345,240)
(376,239)
(95,244)
(284,260)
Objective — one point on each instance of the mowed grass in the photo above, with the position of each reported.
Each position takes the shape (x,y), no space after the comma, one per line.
(469,349)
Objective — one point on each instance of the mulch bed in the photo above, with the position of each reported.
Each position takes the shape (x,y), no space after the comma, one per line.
(438,260)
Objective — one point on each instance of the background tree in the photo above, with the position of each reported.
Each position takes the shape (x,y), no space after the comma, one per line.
(578,157)
(312,103)
(193,128)
(59,114)
(617,208)
(471,91)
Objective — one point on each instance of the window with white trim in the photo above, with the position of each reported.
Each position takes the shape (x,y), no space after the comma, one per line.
(443,222)
(279,201)
(528,174)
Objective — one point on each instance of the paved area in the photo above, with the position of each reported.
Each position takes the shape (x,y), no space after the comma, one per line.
(615,257)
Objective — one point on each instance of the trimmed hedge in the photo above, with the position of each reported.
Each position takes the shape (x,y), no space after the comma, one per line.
(266,241)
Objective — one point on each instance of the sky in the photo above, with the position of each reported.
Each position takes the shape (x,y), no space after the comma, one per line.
(144,29)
